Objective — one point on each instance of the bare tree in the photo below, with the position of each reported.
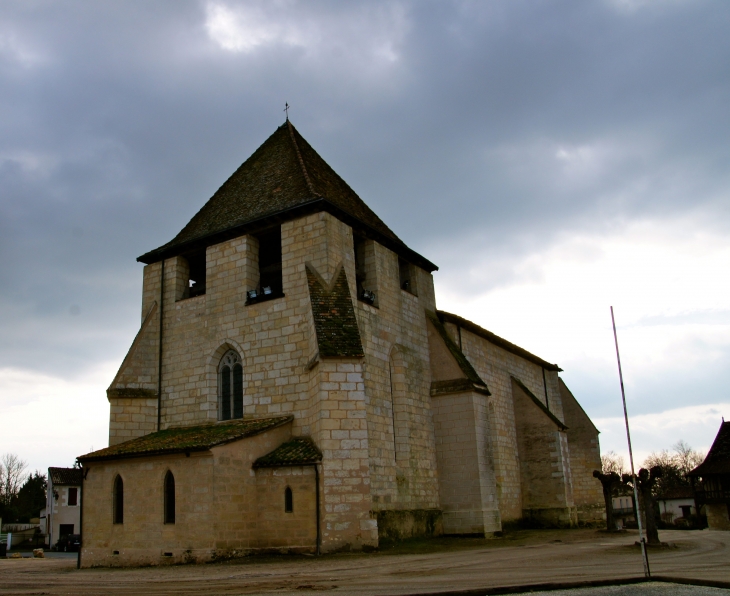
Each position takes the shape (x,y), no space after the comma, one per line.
(612,462)
(12,477)
(674,465)
(686,458)
(662,458)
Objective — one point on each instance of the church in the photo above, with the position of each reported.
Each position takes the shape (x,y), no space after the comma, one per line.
(294,388)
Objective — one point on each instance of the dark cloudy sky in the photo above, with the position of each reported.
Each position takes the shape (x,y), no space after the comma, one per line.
(553,158)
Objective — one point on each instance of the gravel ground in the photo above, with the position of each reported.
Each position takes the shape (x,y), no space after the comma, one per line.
(648,589)
(444,565)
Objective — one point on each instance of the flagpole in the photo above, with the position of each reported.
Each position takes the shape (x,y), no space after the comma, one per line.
(645,558)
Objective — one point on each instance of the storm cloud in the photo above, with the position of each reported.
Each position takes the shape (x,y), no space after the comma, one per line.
(527,148)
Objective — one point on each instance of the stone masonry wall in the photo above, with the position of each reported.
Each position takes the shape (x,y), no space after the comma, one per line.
(585,457)
(278,348)
(467,490)
(717,516)
(397,379)
(395,371)
(496,366)
(284,375)
(393,334)
(547,496)
(340,430)
(132,394)
(217,506)
(277,529)
(240,520)
(131,417)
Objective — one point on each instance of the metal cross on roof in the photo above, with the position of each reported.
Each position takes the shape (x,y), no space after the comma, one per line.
(286,109)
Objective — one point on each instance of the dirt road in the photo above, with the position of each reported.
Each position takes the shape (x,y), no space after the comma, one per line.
(520,558)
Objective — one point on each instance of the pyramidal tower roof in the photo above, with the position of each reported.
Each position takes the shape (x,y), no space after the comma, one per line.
(284,179)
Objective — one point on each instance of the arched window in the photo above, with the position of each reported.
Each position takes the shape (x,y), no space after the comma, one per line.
(169,498)
(230,386)
(118,500)
(288,500)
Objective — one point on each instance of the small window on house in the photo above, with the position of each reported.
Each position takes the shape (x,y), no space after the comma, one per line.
(407,277)
(169,490)
(230,384)
(270,283)
(118,500)
(365,270)
(73,497)
(288,501)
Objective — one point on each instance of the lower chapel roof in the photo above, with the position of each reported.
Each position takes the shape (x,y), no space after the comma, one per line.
(300,451)
(186,439)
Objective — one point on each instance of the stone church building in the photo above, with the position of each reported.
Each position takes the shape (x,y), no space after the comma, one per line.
(294,387)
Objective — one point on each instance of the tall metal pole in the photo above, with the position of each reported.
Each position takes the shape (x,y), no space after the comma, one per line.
(645,558)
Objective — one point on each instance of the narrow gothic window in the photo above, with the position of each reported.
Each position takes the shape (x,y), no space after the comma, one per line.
(288,500)
(118,498)
(169,498)
(230,386)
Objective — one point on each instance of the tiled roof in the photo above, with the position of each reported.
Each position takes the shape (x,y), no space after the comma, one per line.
(283,179)
(472,377)
(299,451)
(718,458)
(447,317)
(334,317)
(186,439)
(65,476)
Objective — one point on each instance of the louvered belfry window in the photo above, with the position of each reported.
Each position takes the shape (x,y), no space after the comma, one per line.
(230,386)
(270,262)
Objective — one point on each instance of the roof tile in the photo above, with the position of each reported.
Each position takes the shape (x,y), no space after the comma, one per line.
(65,476)
(299,451)
(186,439)
(471,375)
(285,174)
(334,317)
